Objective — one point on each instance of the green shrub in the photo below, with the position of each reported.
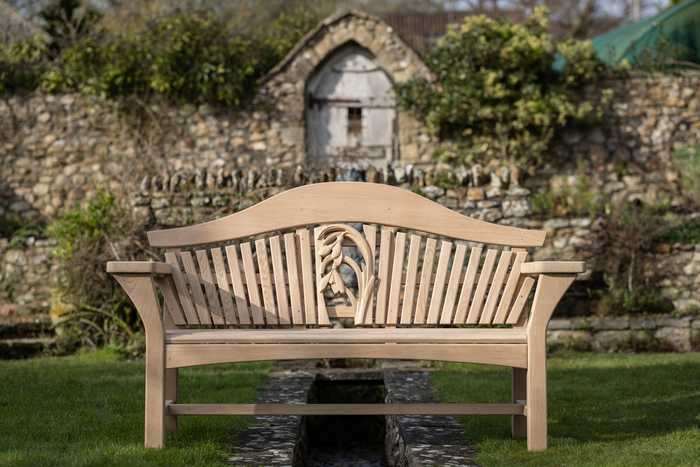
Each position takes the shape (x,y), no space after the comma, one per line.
(90,307)
(22,65)
(630,232)
(495,90)
(577,200)
(642,300)
(686,233)
(688,162)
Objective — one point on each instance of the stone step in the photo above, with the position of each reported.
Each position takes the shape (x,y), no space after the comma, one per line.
(23,347)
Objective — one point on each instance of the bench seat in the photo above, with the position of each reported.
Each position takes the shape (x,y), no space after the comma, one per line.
(347,336)
(284,279)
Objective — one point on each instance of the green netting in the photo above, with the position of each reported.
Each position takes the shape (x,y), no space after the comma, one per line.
(671,37)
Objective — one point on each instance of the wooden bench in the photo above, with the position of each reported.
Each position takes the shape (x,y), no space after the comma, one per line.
(267,283)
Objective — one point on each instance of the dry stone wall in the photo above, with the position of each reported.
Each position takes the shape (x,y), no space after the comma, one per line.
(193,163)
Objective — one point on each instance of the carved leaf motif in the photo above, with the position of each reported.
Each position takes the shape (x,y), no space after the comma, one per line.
(330,251)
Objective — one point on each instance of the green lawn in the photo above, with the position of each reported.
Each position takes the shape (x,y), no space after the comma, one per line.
(604,410)
(87,410)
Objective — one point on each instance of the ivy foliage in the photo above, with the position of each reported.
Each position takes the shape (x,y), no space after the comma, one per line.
(193,57)
(495,92)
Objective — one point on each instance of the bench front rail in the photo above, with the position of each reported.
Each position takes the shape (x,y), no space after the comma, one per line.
(415,280)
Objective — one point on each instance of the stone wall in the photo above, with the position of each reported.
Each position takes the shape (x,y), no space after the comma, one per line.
(194,163)
(626,334)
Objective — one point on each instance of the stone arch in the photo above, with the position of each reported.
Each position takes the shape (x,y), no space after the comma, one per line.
(350,109)
(286,84)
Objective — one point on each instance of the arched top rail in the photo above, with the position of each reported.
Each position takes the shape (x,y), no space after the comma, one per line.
(335,202)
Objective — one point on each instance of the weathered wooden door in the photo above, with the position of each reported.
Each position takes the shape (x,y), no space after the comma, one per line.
(351,110)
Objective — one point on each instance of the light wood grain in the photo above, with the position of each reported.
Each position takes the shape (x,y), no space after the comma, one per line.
(195,287)
(370,232)
(239,290)
(183,355)
(453,285)
(495,290)
(439,283)
(225,295)
(166,285)
(468,285)
(346,409)
(426,275)
(480,292)
(349,335)
(510,288)
(270,310)
(254,301)
(295,292)
(335,202)
(214,307)
(520,299)
(280,280)
(396,275)
(181,287)
(307,276)
(385,251)
(409,291)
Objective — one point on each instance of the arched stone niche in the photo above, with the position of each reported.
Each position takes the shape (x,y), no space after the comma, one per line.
(350,109)
(345,43)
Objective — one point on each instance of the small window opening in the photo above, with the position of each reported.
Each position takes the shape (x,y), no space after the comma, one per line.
(354,123)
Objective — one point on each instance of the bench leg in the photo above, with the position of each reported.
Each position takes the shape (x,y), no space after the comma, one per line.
(171,377)
(518,386)
(154,436)
(537,397)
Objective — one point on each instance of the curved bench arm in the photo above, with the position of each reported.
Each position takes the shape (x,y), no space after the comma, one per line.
(139,267)
(553,267)
(137,278)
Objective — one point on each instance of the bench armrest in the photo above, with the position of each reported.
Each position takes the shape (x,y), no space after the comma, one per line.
(552,267)
(138,267)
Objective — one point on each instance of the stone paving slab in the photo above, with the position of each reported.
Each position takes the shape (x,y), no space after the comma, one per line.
(411,441)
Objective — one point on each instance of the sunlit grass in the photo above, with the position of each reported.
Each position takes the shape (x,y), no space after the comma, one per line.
(87,410)
(604,410)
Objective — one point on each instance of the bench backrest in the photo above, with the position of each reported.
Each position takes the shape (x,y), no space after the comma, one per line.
(279,263)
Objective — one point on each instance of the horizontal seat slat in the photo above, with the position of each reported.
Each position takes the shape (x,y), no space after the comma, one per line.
(349,335)
(347,409)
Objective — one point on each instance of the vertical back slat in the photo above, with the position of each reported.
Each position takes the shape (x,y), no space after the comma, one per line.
(465,294)
(495,289)
(320,297)
(215,312)
(295,294)
(479,294)
(280,280)
(439,284)
(196,288)
(509,291)
(252,284)
(385,245)
(409,291)
(172,306)
(234,269)
(396,276)
(370,231)
(222,282)
(519,304)
(181,288)
(307,275)
(426,275)
(453,284)
(270,311)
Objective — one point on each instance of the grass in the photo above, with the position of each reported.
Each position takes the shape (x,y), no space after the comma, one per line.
(604,410)
(87,410)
